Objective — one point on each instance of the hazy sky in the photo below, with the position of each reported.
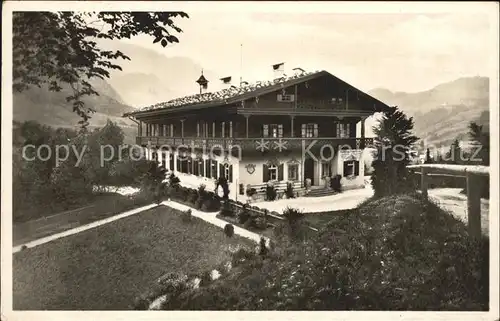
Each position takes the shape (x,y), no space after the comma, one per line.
(398,51)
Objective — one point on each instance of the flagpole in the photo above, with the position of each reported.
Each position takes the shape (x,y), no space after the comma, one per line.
(241,64)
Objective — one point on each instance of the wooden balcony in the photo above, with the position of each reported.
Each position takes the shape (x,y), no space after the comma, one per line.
(256,143)
(305,108)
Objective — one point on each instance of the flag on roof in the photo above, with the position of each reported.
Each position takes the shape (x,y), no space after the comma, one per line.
(226,80)
(278,67)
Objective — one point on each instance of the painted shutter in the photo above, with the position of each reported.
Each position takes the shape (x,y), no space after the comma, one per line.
(280,172)
(265,173)
(230,173)
(346,168)
(214,169)
(196,167)
(356,168)
(208,168)
(221,170)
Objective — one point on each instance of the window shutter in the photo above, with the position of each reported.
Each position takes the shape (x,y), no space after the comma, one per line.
(230,173)
(202,167)
(208,168)
(214,169)
(265,130)
(196,168)
(356,168)
(346,168)
(221,170)
(315,130)
(265,173)
(280,172)
(303,130)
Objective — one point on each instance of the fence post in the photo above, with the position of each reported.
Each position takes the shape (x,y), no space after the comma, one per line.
(473,204)
(423,182)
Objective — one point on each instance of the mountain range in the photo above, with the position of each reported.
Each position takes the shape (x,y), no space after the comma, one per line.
(440,114)
(443,113)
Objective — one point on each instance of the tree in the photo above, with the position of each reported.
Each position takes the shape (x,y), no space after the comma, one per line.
(393,142)
(482,137)
(428,157)
(152,180)
(102,152)
(60,48)
(455,154)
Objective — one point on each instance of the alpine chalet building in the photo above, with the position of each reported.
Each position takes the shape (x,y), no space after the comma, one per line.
(287,130)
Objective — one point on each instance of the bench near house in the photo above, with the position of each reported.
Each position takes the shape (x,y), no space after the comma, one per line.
(309,125)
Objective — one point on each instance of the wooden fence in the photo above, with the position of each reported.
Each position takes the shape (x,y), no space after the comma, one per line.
(472,174)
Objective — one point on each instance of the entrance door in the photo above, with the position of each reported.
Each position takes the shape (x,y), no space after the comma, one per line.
(309,169)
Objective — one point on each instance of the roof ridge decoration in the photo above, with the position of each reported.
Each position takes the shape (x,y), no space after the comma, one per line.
(224,94)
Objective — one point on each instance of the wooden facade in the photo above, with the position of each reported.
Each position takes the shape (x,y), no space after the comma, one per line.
(281,119)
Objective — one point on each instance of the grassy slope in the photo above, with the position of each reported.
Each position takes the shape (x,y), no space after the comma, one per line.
(107,267)
(395,253)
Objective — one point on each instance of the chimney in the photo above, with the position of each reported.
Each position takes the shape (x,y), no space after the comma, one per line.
(279,70)
(226,82)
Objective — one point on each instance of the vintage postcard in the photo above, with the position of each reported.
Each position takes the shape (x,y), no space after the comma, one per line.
(271,160)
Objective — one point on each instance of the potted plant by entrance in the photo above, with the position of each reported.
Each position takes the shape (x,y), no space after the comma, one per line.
(308,183)
(327,181)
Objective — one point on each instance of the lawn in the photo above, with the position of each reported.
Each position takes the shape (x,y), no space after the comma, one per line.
(106,268)
(102,206)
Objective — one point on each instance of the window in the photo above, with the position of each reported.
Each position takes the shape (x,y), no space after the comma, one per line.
(351,168)
(272,130)
(189,166)
(273,173)
(326,170)
(226,170)
(293,172)
(343,130)
(154,155)
(198,129)
(310,130)
(213,129)
(211,168)
(171,159)
(164,160)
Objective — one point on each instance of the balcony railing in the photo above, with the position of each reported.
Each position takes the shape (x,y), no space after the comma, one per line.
(256,143)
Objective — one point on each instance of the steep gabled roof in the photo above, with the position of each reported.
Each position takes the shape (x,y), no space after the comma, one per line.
(238,94)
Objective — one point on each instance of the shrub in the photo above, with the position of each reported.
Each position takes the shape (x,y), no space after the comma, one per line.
(335,184)
(250,191)
(244,214)
(229,230)
(226,209)
(206,278)
(293,219)
(270,192)
(289,190)
(263,250)
(192,196)
(173,180)
(187,216)
(260,222)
